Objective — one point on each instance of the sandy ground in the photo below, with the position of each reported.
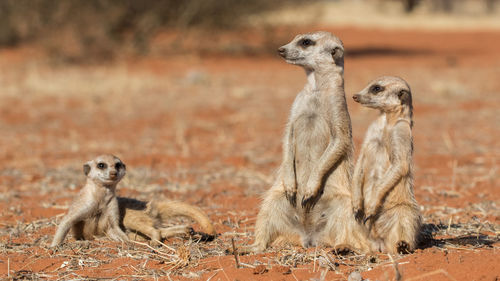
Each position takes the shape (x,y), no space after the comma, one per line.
(207,130)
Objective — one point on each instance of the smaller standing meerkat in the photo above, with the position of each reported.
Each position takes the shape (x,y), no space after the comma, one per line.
(97,211)
(383,176)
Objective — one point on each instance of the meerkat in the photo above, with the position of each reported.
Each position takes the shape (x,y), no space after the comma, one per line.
(97,211)
(310,200)
(94,212)
(383,177)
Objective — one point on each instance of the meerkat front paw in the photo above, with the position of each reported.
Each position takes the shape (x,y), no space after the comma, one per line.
(359,214)
(358,210)
(311,195)
(370,211)
(290,187)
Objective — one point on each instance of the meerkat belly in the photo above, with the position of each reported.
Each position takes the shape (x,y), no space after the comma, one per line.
(95,225)
(375,167)
(90,228)
(311,137)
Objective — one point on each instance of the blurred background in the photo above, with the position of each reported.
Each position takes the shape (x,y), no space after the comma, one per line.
(88,31)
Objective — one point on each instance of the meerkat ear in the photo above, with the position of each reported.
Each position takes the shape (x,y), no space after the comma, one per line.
(337,54)
(404,96)
(86,169)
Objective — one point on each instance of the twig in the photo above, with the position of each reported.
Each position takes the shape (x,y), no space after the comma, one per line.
(222,268)
(433,273)
(398,276)
(235,253)
(216,272)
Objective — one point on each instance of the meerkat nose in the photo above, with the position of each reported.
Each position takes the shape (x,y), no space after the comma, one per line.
(355,98)
(282,51)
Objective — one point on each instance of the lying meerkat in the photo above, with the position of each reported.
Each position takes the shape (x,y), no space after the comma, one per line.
(317,156)
(97,211)
(383,176)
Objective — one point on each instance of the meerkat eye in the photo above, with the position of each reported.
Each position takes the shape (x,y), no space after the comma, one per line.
(306,43)
(375,89)
(101,166)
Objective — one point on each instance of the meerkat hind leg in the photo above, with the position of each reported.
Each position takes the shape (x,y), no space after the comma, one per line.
(342,230)
(274,219)
(401,226)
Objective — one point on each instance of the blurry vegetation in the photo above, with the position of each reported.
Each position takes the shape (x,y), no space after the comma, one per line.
(97,29)
(445,5)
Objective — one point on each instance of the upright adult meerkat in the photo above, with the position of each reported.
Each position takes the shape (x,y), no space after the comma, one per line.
(310,199)
(383,177)
(97,211)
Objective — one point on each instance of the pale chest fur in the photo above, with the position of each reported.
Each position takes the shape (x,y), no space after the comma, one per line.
(98,220)
(377,153)
(311,132)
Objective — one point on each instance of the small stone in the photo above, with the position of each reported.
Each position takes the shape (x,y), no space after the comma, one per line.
(355,276)
(260,269)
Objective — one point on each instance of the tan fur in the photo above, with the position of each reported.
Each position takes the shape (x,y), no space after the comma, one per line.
(311,198)
(147,218)
(94,212)
(383,178)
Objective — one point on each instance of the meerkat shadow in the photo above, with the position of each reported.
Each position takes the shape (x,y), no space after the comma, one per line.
(428,231)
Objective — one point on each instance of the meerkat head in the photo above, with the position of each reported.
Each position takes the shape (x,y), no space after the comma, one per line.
(386,93)
(314,50)
(105,169)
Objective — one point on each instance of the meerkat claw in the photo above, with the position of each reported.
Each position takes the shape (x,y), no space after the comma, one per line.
(367,219)
(292,198)
(308,203)
(359,215)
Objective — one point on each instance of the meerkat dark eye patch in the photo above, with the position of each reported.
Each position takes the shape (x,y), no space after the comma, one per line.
(375,89)
(119,165)
(101,166)
(306,43)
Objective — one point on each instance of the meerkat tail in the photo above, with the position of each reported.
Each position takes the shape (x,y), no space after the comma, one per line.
(169,209)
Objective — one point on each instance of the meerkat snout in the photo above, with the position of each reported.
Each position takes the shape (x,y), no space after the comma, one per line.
(355,98)
(282,52)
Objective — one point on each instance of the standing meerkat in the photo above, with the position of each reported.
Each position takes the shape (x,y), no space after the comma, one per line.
(383,176)
(97,211)
(310,200)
